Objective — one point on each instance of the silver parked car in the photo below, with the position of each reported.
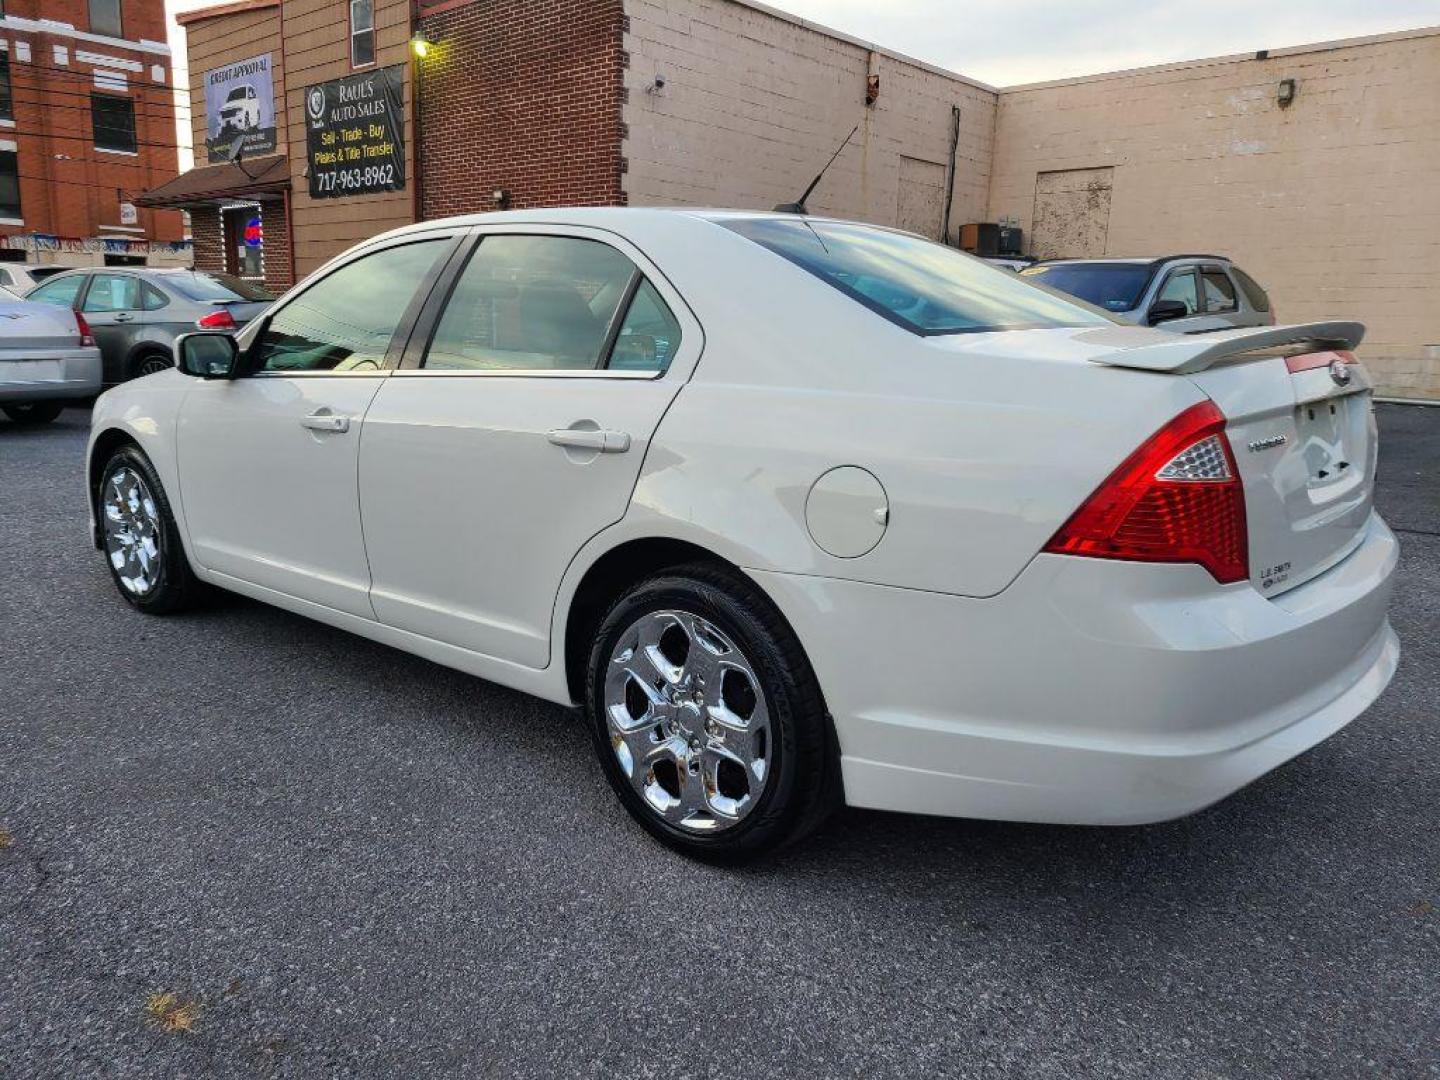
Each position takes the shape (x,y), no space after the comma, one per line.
(47,357)
(1190,294)
(137,314)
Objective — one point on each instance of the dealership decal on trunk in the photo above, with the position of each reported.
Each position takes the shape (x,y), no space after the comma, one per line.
(354,135)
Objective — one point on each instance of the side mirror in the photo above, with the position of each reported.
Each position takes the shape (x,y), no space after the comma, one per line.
(1165,310)
(208,356)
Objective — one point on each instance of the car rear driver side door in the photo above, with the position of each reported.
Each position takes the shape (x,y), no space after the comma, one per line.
(268,461)
(514,431)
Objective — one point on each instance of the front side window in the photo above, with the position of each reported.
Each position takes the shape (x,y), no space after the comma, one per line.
(1181,286)
(114,122)
(105,18)
(917,284)
(113,292)
(362,32)
(532,303)
(1112,286)
(346,320)
(60,291)
(9,185)
(1219,292)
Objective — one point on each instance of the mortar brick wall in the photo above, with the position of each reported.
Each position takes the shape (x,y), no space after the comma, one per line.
(756,101)
(277,246)
(209,239)
(522,97)
(1332,203)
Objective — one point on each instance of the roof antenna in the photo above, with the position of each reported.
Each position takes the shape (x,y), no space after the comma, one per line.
(799,207)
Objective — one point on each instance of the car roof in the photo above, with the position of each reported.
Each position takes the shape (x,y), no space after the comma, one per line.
(1140,260)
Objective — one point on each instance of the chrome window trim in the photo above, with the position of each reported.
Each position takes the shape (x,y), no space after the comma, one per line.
(530,373)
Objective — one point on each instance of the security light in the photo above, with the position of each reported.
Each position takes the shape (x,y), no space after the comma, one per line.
(421,44)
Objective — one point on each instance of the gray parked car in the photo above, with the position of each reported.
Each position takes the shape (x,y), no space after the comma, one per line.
(47,358)
(1190,294)
(137,314)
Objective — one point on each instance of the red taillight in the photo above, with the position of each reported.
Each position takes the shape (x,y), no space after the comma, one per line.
(216,320)
(86,336)
(1176,499)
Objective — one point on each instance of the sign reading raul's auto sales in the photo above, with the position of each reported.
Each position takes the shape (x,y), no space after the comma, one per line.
(355,135)
(240,104)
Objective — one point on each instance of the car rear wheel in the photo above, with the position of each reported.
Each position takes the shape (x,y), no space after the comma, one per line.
(33,412)
(707,718)
(142,544)
(150,363)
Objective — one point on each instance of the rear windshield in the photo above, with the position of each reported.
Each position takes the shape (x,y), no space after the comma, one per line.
(1112,286)
(922,286)
(221,287)
(1253,292)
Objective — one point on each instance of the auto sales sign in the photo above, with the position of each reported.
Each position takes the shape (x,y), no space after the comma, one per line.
(355,135)
(240,109)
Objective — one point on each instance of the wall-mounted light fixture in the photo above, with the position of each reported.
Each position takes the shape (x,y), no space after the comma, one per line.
(421,45)
(657,84)
(1286,93)
(501,198)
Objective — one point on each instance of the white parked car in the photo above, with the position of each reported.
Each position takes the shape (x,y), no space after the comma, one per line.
(47,358)
(800,511)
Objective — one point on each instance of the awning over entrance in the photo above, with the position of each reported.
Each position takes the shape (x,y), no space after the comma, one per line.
(213,183)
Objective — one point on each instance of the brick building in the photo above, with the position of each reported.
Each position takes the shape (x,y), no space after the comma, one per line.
(87,123)
(521,103)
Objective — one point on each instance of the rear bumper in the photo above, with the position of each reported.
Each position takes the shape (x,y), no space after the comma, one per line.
(50,376)
(1090,691)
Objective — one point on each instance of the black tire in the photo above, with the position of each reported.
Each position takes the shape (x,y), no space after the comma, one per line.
(802,785)
(175,586)
(149,363)
(33,412)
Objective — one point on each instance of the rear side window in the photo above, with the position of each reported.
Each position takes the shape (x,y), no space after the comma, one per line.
(649,335)
(1219,292)
(113,292)
(1253,292)
(532,303)
(1112,286)
(916,284)
(151,297)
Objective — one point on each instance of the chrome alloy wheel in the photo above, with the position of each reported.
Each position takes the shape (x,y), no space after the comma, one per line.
(688,721)
(132,530)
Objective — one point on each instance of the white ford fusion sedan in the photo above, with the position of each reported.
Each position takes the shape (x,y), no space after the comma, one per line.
(801,511)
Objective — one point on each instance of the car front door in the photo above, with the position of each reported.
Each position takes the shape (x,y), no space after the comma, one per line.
(514,431)
(268,461)
(112,306)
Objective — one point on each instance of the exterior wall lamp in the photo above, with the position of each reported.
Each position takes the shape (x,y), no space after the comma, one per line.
(420,44)
(1286,93)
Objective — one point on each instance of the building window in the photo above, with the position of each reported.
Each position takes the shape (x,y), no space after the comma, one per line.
(105,18)
(362,32)
(7,111)
(9,186)
(114,121)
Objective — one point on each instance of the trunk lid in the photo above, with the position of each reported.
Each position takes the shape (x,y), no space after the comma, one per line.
(1301,425)
(242,311)
(28,326)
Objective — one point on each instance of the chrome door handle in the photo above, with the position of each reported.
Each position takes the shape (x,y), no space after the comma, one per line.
(326,422)
(607,442)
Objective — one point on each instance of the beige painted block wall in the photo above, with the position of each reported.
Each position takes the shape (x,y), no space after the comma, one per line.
(1333,203)
(756,102)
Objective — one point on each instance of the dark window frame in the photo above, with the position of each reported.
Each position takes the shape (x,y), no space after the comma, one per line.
(7,95)
(354,33)
(10,171)
(98,102)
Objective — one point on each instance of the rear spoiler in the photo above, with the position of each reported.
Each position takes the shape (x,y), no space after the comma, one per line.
(1186,354)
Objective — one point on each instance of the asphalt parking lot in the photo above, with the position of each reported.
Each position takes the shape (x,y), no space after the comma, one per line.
(354,862)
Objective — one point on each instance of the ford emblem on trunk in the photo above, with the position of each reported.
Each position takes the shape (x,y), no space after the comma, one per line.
(1340,372)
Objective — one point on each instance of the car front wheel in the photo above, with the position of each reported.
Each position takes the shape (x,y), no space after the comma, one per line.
(33,412)
(707,717)
(142,544)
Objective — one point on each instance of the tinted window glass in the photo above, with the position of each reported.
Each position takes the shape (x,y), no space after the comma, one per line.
(531,302)
(1219,291)
(1112,286)
(1253,292)
(1181,286)
(151,297)
(114,122)
(344,322)
(922,286)
(215,287)
(649,336)
(113,292)
(9,185)
(61,291)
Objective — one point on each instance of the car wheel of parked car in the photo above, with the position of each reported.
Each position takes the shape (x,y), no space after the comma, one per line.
(150,363)
(33,412)
(707,717)
(142,544)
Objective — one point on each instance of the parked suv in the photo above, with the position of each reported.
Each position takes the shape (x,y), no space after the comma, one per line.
(241,111)
(1190,294)
(137,314)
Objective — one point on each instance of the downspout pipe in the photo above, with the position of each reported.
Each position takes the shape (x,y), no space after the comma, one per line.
(950,171)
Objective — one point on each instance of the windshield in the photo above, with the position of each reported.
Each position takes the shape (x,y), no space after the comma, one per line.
(915,283)
(1112,286)
(220,287)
